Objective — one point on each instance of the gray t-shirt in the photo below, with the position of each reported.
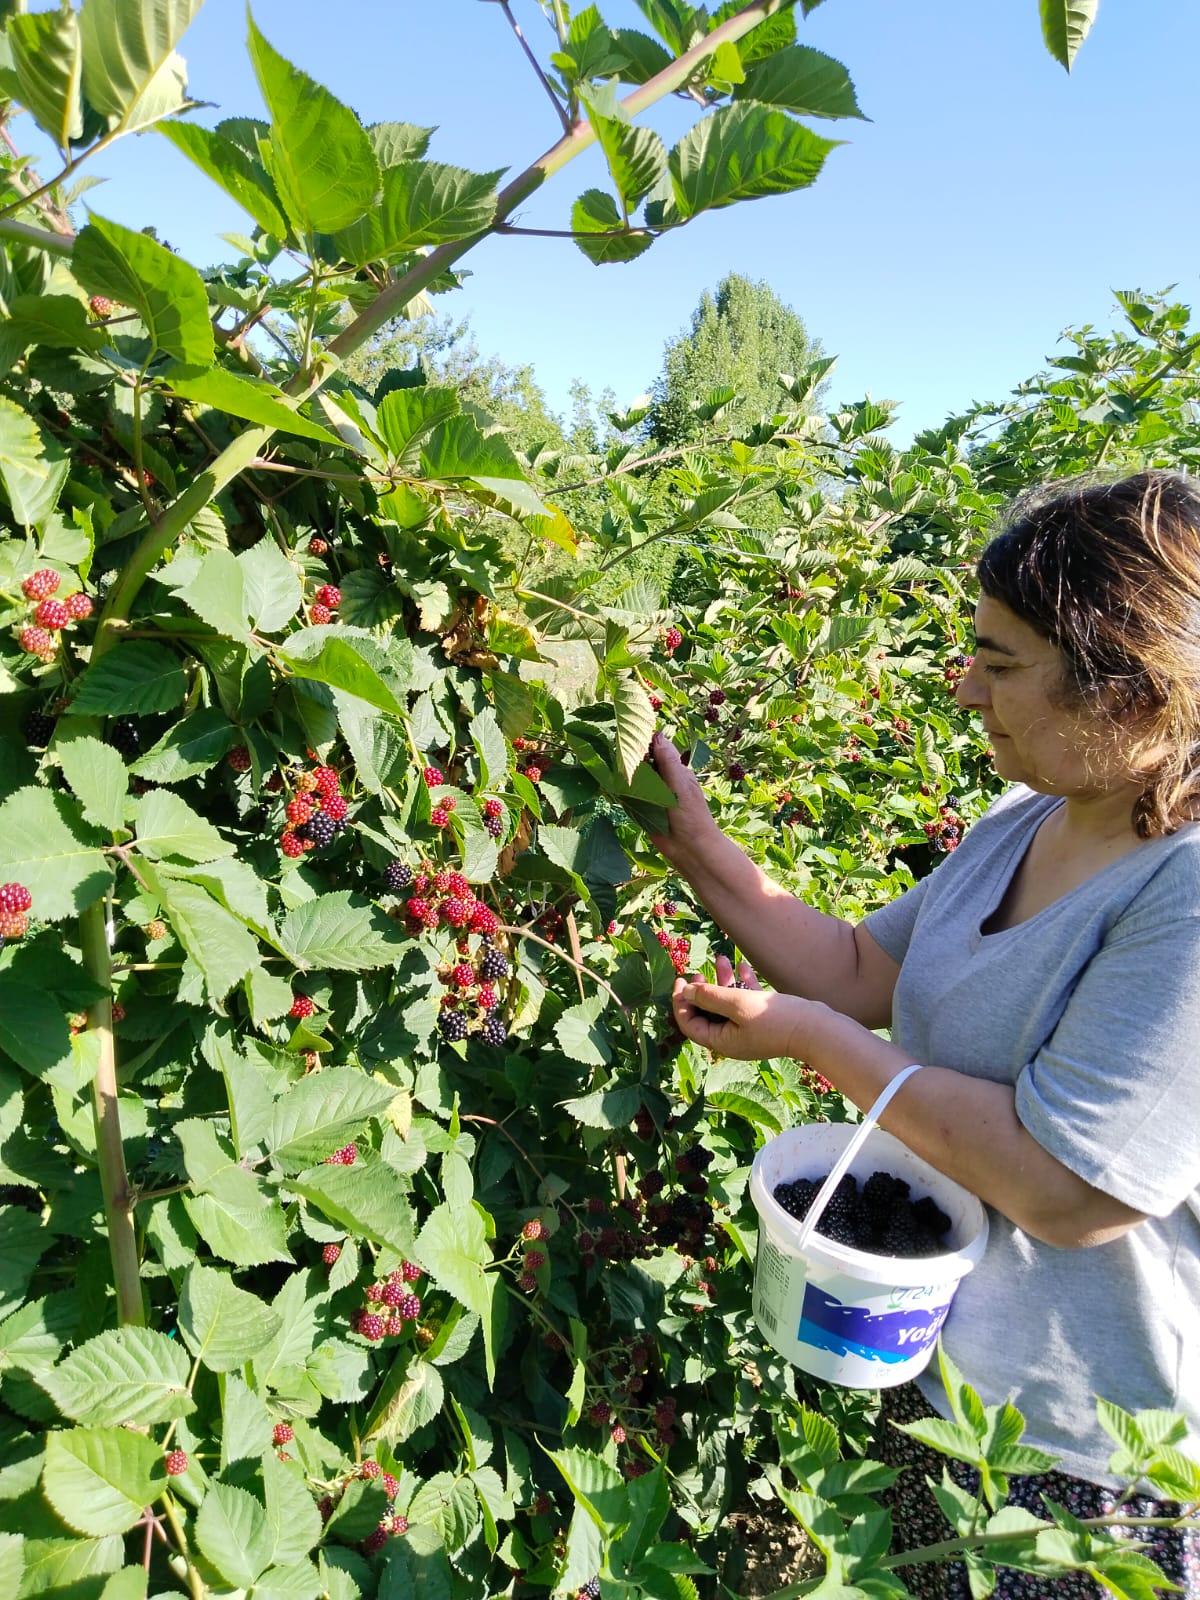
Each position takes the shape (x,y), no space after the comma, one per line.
(1091,1010)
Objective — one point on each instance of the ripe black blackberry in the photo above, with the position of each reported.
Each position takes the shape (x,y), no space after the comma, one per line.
(38,729)
(494,825)
(321,829)
(796,1197)
(125,737)
(930,1216)
(398,875)
(494,1032)
(494,965)
(589,1590)
(882,1192)
(452,1025)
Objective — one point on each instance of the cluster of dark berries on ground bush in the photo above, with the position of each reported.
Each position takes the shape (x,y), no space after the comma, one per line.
(880,1218)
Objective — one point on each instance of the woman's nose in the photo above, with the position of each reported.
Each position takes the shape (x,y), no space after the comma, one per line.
(971,691)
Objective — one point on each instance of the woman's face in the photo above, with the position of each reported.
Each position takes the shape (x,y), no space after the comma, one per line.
(1014,684)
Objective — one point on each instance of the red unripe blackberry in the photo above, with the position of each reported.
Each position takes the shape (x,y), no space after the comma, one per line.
(417,908)
(282,1433)
(395,1327)
(305,783)
(391,1294)
(334,807)
(463,975)
(456,912)
(601,1411)
(79,606)
(176,1463)
(535,1229)
(118,1011)
(660,909)
(15,897)
(410,1271)
(290,844)
(534,1259)
(300,809)
(487,998)
(439,817)
(456,884)
(618,1433)
(156,929)
(101,306)
(408,1308)
(432,776)
(492,808)
(318,547)
(40,584)
(52,614)
(441,882)
(329,595)
(239,759)
(345,1157)
(37,642)
(484,919)
(330,1254)
(450,803)
(302,1006)
(371,1326)
(432,919)
(370,1469)
(673,638)
(13,924)
(390,1487)
(319,614)
(421,883)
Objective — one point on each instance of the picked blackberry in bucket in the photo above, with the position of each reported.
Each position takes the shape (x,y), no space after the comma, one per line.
(881,1217)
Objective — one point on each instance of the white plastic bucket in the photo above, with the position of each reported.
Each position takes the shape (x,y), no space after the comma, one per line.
(853,1318)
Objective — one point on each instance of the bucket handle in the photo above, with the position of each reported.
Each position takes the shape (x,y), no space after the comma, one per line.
(862,1132)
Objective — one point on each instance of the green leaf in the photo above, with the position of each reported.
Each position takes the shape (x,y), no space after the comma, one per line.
(219,943)
(130,1376)
(801,80)
(636,156)
(343,662)
(43,845)
(214,588)
(131,74)
(189,747)
(33,1030)
(403,1406)
(247,1237)
(32,467)
(1065,25)
(99,1480)
(51,1564)
(167,294)
(252,399)
(47,57)
(130,1583)
(223,1326)
(99,780)
(424,203)
(12,1562)
(319,154)
(581,1035)
(369,1199)
(56,320)
(743,152)
(323,1112)
(239,174)
(341,932)
(602,233)
(453,1248)
(406,418)
(396,142)
(635,721)
(597,1486)
(294,1524)
(491,749)
(232,1532)
(137,676)
(167,826)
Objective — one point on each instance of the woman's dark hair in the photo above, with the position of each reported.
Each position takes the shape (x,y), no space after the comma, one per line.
(1109,573)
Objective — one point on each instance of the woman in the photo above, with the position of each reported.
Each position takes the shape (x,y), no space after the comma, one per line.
(1048,975)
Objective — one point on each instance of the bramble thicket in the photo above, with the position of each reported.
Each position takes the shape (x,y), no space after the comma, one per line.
(367,1227)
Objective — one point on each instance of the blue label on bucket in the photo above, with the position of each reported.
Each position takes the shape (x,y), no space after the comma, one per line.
(889,1336)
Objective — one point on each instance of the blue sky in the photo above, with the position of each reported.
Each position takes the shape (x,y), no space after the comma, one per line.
(991,200)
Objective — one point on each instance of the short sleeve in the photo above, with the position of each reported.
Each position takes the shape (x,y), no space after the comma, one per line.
(892,925)
(1114,1093)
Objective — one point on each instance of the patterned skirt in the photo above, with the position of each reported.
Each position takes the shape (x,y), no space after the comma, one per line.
(917,1519)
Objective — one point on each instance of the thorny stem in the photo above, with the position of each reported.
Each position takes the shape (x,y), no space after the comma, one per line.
(526,933)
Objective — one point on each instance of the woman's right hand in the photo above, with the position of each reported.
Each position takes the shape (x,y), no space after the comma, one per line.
(690,823)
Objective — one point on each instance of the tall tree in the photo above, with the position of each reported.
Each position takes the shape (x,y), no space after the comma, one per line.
(742,337)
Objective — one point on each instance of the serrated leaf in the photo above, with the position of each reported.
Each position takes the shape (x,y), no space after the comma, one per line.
(406,417)
(43,845)
(423,203)
(33,468)
(602,233)
(293,1520)
(241,175)
(252,399)
(322,1113)
(220,944)
(131,73)
(368,1199)
(1065,25)
(99,1480)
(636,156)
(52,1564)
(190,747)
(408,1403)
(166,292)
(34,1032)
(167,826)
(635,721)
(12,1562)
(124,1375)
(340,932)
(47,57)
(801,80)
(137,676)
(597,1486)
(343,662)
(744,152)
(453,1248)
(99,780)
(232,1532)
(319,155)
(223,1326)
(581,1035)
(245,1237)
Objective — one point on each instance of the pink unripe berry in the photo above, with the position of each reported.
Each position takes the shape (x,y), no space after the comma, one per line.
(37,642)
(319,614)
(492,808)
(439,816)
(390,1487)
(370,1469)
(462,976)
(302,1007)
(52,614)
(282,1433)
(372,1326)
(330,1254)
(176,1463)
(410,1271)
(40,584)
(15,897)
(433,777)
(329,595)
(318,547)
(345,1157)
(601,1411)
(618,1433)
(533,1260)
(535,1229)
(79,606)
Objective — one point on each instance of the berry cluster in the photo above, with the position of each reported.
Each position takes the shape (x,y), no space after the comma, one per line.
(316,813)
(955,671)
(391,1305)
(50,616)
(439,898)
(392,1525)
(534,1231)
(946,833)
(672,639)
(325,602)
(881,1218)
(15,903)
(679,949)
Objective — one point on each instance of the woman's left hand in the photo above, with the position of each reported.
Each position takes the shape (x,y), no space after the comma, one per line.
(745,1022)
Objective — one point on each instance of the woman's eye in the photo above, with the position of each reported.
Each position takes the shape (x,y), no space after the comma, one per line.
(993,670)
